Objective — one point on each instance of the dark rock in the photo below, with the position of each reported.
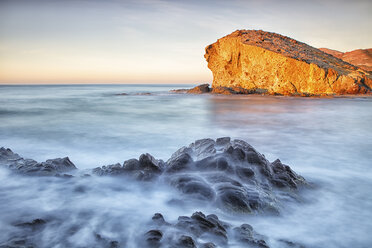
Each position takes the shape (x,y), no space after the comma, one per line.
(244,173)
(50,167)
(189,231)
(193,185)
(180,163)
(149,163)
(223,141)
(212,163)
(131,164)
(229,174)
(247,235)
(186,242)
(153,238)
(158,219)
(200,89)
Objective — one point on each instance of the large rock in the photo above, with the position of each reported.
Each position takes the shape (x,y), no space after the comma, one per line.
(261,60)
(227,174)
(232,175)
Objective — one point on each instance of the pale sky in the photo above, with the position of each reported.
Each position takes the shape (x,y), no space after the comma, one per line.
(156,41)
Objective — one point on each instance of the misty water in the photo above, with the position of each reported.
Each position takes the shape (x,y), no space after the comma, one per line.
(326,140)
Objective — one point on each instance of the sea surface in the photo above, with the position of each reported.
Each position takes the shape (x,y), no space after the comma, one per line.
(326,140)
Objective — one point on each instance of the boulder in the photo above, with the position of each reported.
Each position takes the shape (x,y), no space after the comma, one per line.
(262,61)
(200,89)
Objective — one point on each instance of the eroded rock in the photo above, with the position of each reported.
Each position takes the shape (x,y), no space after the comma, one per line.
(200,230)
(262,61)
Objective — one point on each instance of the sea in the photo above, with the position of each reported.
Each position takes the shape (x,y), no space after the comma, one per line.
(326,140)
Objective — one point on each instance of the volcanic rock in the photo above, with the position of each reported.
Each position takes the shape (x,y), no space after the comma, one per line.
(254,59)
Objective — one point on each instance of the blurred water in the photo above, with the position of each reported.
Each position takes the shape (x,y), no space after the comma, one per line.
(327,140)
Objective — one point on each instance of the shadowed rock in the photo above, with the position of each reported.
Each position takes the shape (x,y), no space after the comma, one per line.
(202,230)
(28,166)
(200,89)
(228,174)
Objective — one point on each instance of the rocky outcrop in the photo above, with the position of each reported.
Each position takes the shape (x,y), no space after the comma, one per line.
(189,231)
(229,174)
(361,58)
(254,59)
(50,167)
(223,174)
(200,89)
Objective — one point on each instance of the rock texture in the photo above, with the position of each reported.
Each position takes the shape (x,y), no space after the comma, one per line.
(17,164)
(254,59)
(228,174)
(361,57)
(188,232)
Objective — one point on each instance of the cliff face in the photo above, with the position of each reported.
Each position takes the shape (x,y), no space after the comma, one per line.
(254,59)
(361,57)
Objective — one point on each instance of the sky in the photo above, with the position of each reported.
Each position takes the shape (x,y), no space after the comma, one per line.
(156,41)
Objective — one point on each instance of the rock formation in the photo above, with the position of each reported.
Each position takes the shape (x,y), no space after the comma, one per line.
(231,175)
(226,174)
(361,57)
(188,231)
(254,59)
(51,167)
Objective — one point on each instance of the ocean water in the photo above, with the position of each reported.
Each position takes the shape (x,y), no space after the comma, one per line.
(326,140)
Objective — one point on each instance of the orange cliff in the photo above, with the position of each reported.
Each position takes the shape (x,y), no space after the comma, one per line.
(254,59)
(360,57)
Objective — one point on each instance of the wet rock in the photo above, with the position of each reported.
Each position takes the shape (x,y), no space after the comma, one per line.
(153,238)
(150,164)
(200,89)
(213,163)
(158,219)
(247,235)
(131,164)
(186,242)
(206,231)
(144,169)
(193,185)
(229,174)
(179,163)
(18,164)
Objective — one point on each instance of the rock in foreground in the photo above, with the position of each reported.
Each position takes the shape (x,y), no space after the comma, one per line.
(188,232)
(254,59)
(226,174)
